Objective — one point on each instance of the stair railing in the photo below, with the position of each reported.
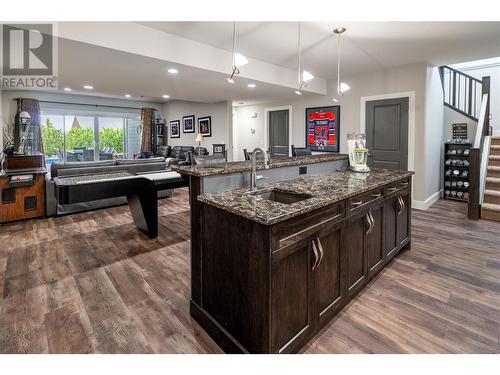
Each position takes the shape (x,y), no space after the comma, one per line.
(462,92)
(478,160)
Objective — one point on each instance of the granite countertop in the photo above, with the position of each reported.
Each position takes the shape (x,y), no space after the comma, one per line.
(325,189)
(242,166)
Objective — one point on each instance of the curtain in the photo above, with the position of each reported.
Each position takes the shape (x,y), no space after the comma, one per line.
(35,133)
(147,122)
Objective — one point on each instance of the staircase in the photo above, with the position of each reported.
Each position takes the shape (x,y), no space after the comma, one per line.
(470,97)
(490,209)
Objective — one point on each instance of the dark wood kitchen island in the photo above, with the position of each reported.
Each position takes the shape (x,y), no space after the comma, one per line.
(278,263)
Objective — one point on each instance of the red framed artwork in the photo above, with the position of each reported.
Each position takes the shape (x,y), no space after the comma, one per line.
(323,128)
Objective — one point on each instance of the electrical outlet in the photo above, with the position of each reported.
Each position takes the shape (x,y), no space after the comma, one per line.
(303,170)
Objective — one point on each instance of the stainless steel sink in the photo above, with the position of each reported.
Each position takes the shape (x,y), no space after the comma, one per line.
(280,196)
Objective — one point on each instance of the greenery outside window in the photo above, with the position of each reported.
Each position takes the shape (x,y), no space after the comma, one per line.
(83,136)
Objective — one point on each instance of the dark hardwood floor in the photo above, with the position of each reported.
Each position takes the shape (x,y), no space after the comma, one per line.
(92,283)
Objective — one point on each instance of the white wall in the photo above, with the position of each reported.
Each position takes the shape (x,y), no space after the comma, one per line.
(410,78)
(222,121)
(434,136)
(493,72)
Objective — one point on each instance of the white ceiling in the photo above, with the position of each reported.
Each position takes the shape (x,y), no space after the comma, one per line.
(116,73)
(366,46)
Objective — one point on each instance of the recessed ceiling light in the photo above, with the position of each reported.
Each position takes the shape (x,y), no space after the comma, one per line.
(335,100)
(298,92)
(88,87)
(172,71)
(128,95)
(230,80)
(165,96)
(67,89)
(252,85)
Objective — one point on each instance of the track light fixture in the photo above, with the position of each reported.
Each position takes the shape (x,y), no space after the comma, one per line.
(303,76)
(238,59)
(341,86)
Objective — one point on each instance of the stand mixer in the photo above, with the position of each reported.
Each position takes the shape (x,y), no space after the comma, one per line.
(358,153)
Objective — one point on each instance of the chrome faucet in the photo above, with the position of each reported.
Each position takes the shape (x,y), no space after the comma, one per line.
(253,180)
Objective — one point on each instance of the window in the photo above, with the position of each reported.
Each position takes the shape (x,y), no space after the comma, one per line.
(79,136)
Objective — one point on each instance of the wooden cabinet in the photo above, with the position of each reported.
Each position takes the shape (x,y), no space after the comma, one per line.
(307,286)
(19,202)
(292,295)
(397,221)
(329,273)
(404,220)
(269,289)
(356,249)
(375,241)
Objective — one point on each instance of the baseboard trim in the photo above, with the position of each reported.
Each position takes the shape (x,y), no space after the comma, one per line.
(424,205)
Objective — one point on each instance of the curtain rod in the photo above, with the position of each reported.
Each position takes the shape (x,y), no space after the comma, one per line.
(84,104)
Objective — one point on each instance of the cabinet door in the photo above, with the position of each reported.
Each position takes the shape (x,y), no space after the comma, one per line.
(357,264)
(292,296)
(391,243)
(329,274)
(375,242)
(403,231)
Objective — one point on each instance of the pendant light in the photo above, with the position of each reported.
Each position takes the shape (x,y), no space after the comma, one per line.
(238,59)
(341,86)
(302,76)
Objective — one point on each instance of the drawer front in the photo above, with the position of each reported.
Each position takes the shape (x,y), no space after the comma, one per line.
(362,201)
(396,187)
(300,227)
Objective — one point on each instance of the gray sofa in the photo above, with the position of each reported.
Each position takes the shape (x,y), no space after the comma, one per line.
(96,167)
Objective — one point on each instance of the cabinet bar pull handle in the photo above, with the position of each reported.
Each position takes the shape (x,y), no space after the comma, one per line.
(377,195)
(315,250)
(404,183)
(320,251)
(400,202)
(356,204)
(368,220)
(372,222)
(392,188)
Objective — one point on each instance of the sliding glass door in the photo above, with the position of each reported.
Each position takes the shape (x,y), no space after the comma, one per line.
(80,138)
(111,137)
(75,137)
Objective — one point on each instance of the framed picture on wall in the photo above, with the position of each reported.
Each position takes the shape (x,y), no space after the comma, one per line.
(323,128)
(175,129)
(205,126)
(188,124)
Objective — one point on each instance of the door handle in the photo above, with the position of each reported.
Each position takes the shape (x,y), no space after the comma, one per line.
(320,246)
(315,251)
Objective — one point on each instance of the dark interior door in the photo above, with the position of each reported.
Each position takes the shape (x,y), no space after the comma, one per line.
(278,133)
(387,133)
